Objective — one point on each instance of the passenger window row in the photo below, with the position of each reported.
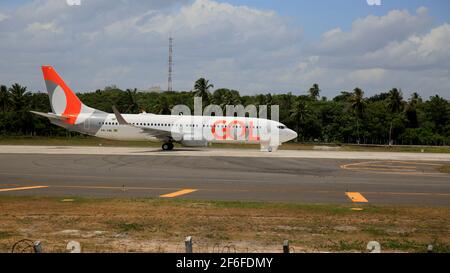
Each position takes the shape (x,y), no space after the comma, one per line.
(181,125)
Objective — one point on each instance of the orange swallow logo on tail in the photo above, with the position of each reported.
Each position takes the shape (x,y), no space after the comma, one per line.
(63,100)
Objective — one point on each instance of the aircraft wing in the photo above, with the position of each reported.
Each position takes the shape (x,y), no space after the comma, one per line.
(161,134)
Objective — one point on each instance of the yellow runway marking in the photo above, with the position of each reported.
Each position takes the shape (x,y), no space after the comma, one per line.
(178,193)
(356,197)
(23,188)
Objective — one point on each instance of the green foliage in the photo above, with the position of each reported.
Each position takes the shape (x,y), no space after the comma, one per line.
(314,91)
(347,118)
(201,89)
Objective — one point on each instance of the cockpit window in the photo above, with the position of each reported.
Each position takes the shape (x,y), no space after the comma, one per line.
(281,127)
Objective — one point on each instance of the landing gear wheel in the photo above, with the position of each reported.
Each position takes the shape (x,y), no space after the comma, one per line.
(167,146)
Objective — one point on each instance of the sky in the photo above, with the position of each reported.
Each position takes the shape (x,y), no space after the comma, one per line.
(254,46)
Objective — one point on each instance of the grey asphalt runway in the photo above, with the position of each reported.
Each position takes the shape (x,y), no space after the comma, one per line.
(241,178)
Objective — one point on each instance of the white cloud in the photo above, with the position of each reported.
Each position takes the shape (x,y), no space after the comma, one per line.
(431,50)
(35,28)
(373,32)
(3,17)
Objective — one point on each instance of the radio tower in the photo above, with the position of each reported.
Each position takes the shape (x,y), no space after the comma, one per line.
(169,81)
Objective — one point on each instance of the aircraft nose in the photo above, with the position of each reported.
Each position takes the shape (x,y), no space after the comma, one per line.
(288,135)
(292,134)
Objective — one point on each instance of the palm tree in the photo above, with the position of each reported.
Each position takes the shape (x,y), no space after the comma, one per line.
(395,105)
(411,110)
(201,89)
(358,105)
(132,105)
(224,97)
(299,113)
(260,99)
(4,98)
(162,106)
(415,99)
(18,95)
(395,100)
(20,103)
(314,91)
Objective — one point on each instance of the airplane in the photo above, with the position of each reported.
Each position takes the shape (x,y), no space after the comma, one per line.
(191,131)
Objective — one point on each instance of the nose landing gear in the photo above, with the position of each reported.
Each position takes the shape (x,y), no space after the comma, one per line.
(167,146)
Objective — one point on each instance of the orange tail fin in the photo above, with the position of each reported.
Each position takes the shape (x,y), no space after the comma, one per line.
(63,100)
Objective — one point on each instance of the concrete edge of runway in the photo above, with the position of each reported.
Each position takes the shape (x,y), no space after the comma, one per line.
(211,152)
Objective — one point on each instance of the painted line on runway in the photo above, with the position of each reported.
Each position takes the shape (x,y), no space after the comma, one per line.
(112,188)
(178,193)
(23,188)
(356,197)
(139,188)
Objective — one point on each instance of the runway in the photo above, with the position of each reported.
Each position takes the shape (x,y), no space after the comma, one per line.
(221,174)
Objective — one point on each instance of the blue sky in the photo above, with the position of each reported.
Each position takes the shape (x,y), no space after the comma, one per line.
(271,46)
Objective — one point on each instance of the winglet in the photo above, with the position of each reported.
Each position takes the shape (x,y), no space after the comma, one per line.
(119,117)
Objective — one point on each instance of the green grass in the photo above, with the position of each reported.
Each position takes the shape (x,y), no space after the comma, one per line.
(93,141)
(407,149)
(350,245)
(445,169)
(404,245)
(129,227)
(5,234)
(73,141)
(375,231)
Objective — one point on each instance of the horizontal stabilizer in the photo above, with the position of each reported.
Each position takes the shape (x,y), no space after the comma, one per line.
(49,115)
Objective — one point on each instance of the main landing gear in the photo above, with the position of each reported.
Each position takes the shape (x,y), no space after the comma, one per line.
(167,146)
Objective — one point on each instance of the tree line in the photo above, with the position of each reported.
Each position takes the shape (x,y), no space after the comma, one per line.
(350,117)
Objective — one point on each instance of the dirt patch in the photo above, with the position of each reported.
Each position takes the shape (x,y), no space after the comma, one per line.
(155,225)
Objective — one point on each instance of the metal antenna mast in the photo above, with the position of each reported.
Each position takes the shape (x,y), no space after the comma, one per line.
(169,81)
